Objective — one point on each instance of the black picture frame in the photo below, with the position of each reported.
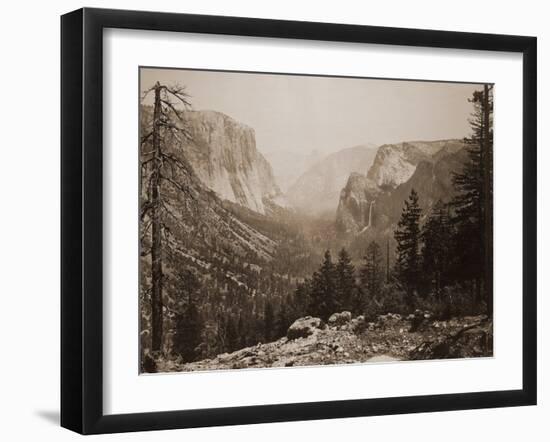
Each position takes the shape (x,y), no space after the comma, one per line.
(82,212)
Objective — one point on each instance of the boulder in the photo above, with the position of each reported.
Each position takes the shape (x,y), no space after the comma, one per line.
(304,327)
(387,321)
(419,319)
(339,318)
(358,324)
(148,364)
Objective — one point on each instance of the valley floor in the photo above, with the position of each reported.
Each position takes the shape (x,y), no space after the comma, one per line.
(391,338)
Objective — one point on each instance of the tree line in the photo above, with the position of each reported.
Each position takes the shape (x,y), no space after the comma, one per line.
(454,244)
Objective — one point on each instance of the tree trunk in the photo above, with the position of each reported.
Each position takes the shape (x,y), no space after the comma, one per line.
(388,261)
(156,252)
(477,283)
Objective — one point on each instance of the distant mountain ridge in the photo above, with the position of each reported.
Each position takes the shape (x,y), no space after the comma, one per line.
(289,164)
(317,191)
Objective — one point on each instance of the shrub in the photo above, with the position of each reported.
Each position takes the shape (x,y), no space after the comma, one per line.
(391,300)
(455,301)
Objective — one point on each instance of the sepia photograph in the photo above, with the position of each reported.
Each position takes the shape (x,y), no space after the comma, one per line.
(301,220)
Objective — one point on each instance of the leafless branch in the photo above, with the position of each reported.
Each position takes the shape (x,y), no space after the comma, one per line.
(176,111)
(145,93)
(146,137)
(143,163)
(145,207)
(169,211)
(146,229)
(178,186)
(172,159)
(179,92)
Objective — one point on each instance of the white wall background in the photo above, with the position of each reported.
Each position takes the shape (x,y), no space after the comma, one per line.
(29,189)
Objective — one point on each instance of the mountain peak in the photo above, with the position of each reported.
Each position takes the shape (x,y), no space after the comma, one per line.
(317,191)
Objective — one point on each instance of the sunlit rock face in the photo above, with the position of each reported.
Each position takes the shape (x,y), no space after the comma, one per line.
(223,154)
(395,163)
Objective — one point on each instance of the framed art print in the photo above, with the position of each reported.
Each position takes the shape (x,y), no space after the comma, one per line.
(269,221)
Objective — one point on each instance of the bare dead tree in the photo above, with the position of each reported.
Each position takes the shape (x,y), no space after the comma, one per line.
(167,124)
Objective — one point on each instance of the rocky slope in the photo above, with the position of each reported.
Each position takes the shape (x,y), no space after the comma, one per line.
(346,341)
(224,156)
(374,201)
(317,191)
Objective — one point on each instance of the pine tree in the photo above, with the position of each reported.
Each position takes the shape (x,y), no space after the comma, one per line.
(188,323)
(242,332)
(188,335)
(436,236)
(269,321)
(221,330)
(387,260)
(323,302)
(407,236)
(231,334)
(359,300)
(301,299)
(345,280)
(372,273)
(283,320)
(472,205)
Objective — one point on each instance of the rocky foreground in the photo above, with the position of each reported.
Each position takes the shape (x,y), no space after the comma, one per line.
(347,340)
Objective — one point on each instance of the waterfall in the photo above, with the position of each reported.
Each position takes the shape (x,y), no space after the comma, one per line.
(370,218)
(370,214)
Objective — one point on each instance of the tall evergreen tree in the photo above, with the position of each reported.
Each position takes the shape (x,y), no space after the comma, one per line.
(372,273)
(188,322)
(472,205)
(345,280)
(269,322)
(231,334)
(323,300)
(221,332)
(242,332)
(387,260)
(487,159)
(436,236)
(407,236)
(301,299)
(282,321)
(188,335)
(359,300)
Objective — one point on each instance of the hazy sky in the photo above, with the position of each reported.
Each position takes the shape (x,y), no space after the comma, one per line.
(327,114)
